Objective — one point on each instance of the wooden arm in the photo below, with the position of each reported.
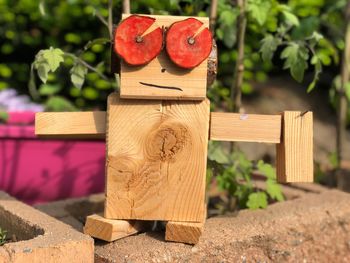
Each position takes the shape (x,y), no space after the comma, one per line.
(223,126)
(83,125)
(245,127)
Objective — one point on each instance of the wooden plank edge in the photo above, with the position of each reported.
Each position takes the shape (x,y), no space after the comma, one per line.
(70,125)
(219,127)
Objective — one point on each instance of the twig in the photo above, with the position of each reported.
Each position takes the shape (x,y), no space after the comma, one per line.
(126,6)
(342,105)
(212,17)
(110,18)
(101,18)
(87,65)
(236,88)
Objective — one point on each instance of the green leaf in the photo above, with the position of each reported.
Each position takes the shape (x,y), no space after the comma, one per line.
(217,154)
(53,56)
(43,70)
(318,69)
(274,190)
(291,18)
(4,116)
(257,200)
(49,89)
(347,90)
(78,74)
(227,30)
(296,57)
(97,41)
(90,93)
(259,10)
(269,45)
(315,38)
(334,160)
(42,8)
(58,103)
(266,169)
(31,84)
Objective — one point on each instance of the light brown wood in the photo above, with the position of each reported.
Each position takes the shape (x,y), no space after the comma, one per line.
(184,232)
(109,230)
(161,71)
(156,159)
(295,152)
(71,124)
(245,127)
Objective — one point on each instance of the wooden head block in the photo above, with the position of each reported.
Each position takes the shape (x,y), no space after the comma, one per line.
(156,159)
(295,152)
(180,84)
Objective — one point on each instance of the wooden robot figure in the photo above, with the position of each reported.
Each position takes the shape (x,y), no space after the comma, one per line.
(157,130)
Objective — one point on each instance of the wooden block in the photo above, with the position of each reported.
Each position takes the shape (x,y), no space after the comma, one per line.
(189,84)
(245,127)
(71,124)
(295,152)
(109,229)
(156,159)
(184,232)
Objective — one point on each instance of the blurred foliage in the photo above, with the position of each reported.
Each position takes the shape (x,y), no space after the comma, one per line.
(65,49)
(3,235)
(301,32)
(233,173)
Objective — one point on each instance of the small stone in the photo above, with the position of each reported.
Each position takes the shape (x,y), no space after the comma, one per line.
(27,250)
(194,250)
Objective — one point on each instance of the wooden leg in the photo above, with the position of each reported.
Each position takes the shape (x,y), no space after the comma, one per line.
(184,232)
(109,229)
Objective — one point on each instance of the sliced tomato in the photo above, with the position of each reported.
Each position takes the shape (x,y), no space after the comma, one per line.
(185,46)
(134,48)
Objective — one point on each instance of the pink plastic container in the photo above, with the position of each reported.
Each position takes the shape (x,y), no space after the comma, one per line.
(41,170)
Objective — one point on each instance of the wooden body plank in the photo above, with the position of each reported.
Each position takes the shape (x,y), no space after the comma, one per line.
(156,159)
(245,127)
(109,230)
(162,71)
(295,152)
(71,124)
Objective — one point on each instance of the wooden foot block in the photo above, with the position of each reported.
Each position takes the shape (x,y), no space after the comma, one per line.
(295,152)
(156,159)
(110,229)
(184,232)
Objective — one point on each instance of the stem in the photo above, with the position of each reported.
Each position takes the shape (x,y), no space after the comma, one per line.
(126,6)
(212,17)
(87,65)
(342,105)
(110,18)
(236,88)
(101,18)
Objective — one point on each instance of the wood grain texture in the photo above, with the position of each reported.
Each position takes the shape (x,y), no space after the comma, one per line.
(245,127)
(109,230)
(295,152)
(156,159)
(71,124)
(184,232)
(161,71)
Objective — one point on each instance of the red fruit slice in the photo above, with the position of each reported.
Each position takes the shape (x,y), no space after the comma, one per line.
(132,46)
(186,46)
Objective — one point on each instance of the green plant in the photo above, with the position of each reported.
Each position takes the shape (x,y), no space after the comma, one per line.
(3,235)
(233,172)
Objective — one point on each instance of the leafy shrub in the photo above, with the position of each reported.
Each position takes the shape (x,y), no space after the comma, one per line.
(3,235)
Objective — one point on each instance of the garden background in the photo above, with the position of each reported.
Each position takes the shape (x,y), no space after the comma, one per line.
(281,55)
